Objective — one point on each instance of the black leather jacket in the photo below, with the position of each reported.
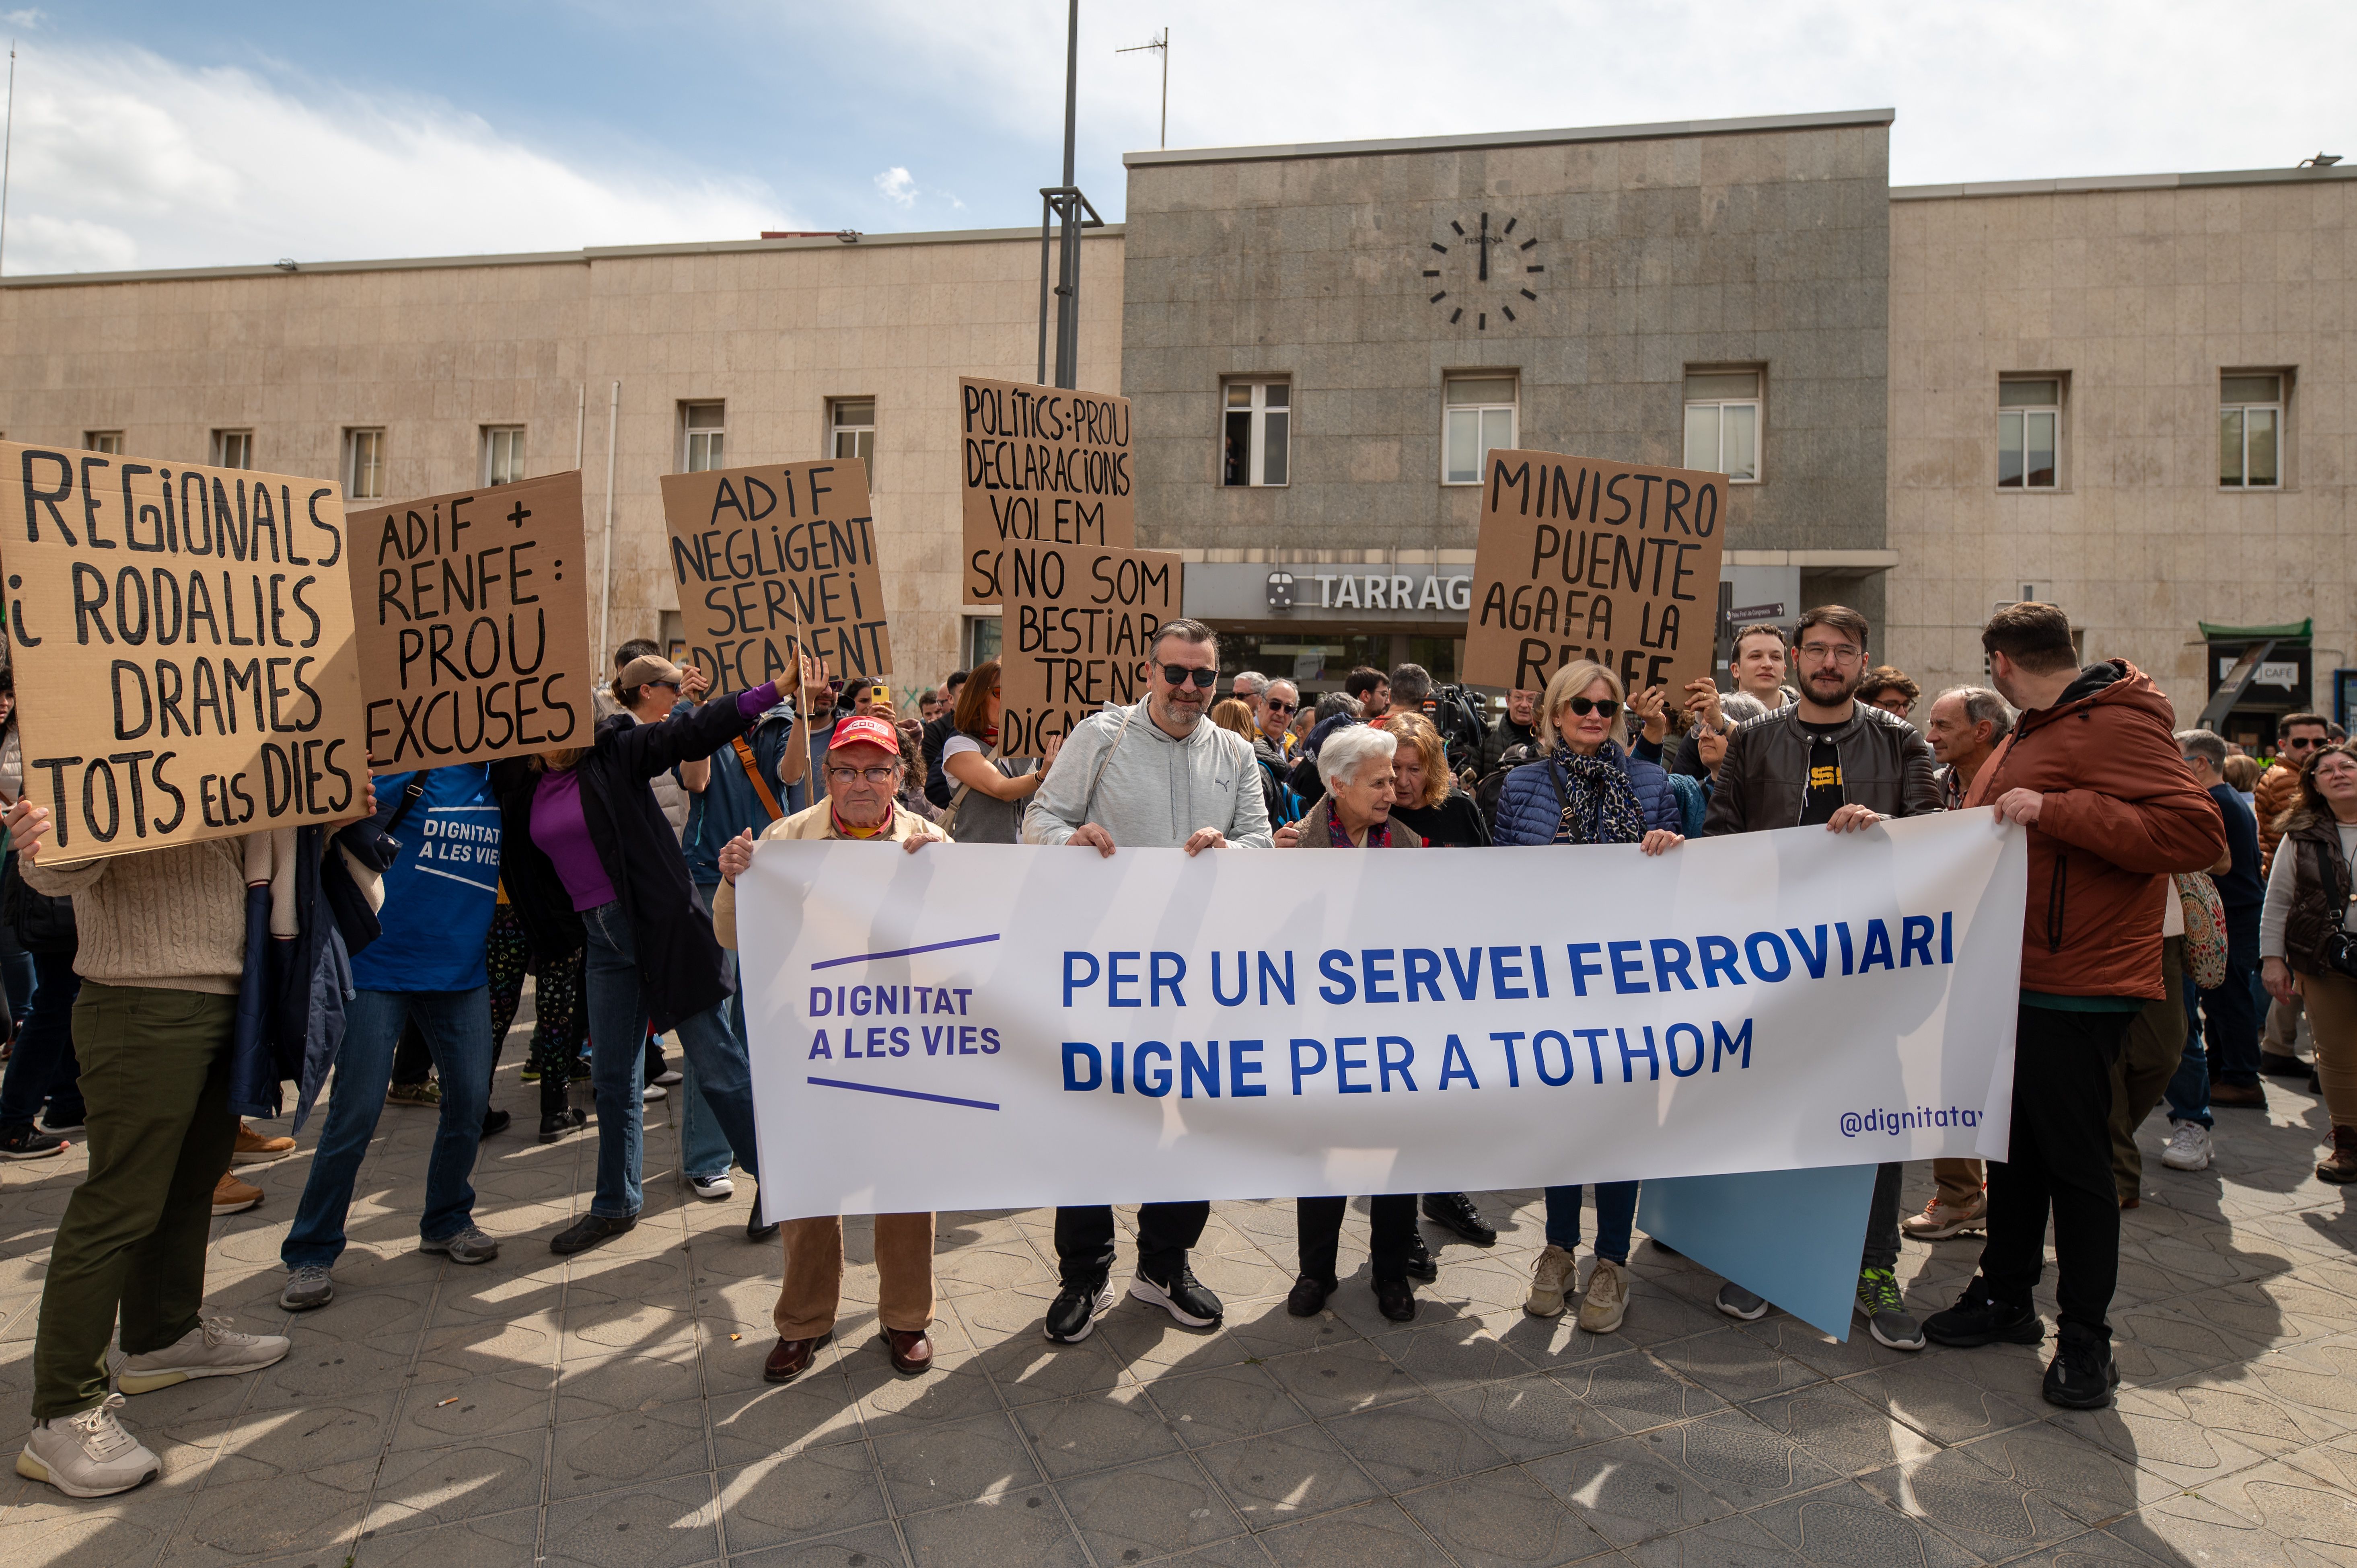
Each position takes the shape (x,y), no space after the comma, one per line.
(1764,782)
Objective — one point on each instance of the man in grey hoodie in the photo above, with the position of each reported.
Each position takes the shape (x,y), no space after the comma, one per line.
(1150,776)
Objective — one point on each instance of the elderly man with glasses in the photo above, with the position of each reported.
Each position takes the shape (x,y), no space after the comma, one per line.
(863,773)
(1152,776)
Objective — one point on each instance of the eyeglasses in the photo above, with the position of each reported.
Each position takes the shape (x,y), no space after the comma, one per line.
(1831,652)
(1584,707)
(873,775)
(1180,675)
(2299,743)
(1279,706)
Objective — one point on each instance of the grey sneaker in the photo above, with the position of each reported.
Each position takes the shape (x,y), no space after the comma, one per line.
(1741,1305)
(88,1455)
(308,1288)
(468,1246)
(1886,1312)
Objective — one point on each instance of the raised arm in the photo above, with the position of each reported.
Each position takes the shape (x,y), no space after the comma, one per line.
(646,750)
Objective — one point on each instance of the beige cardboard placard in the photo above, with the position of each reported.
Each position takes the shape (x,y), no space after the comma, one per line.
(184,650)
(1079,622)
(774,558)
(1041,465)
(474,624)
(1582,558)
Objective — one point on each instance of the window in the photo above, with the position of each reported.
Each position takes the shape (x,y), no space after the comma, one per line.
(502,454)
(108,441)
(706,427)
(852,432)
(1479,414)
(2029,434)
(981,640)
(1723,423)
(2250,431)
(1257,433)
(364,465)
(232,448)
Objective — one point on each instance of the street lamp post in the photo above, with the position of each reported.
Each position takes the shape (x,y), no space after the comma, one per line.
(1064,204)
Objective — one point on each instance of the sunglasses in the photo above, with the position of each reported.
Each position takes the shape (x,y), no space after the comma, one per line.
(1180,675)
(1279,706)
(1583,706)
(2300,743)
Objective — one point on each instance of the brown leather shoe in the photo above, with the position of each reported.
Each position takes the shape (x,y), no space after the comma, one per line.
(2342,1167)
(2242,1096)
(790,1359)
(912,1350)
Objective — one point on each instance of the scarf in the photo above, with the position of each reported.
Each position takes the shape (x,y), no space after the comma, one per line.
(1378,837)
(845,830)
(1599,803)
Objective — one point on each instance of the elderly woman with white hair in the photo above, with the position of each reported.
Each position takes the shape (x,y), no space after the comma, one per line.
(1589,791)
(1355,766)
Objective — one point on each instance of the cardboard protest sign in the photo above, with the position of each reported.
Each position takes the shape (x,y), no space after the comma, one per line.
(184,650)
(1079,623)
(775,560)
(1043,465)
(1584,559)
(474,624)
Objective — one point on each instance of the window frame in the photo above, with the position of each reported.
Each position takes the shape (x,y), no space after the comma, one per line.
(1448,410)
(715,451)
(490,438)
(2058,408)
(2280,410)
(354,438)
(1757,402)
(1257,410)
(836,429)
(98,441)
(222,439)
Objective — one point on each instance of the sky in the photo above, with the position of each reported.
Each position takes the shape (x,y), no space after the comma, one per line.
(148,134)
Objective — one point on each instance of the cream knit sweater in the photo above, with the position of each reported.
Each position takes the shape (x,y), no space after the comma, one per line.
(169,920)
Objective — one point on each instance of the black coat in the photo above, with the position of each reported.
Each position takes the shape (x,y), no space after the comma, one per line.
(682,970)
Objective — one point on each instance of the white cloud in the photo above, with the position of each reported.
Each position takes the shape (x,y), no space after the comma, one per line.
(198,167)
(898,186)
(28,20)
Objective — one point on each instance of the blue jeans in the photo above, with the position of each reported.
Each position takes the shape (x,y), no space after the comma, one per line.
(1615,1217)
(618,1034)
(43,1066)
(457,1029)
(703,1148)
(2188,1092)
(2234,1013)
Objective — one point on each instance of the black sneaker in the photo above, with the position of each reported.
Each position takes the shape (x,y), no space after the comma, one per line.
(495,1123)
(1979,1318)
(1454,1211)
(1395,1299)
(1420,1265)
(557,1124)
(1308,1295)
(1183,1297)
(586,1232)
(1072,1316)
(2082,1375)
(23,1140)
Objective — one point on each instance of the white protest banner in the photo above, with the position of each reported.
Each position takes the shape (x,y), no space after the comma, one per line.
(1004,1026)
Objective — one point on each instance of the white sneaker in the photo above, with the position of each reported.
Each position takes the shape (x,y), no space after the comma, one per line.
(668,1074)
(86,1456)
(711,1188)
(2190,1147)
(210,1349)
(653,1092)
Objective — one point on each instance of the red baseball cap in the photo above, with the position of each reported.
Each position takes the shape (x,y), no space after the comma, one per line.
(862,728)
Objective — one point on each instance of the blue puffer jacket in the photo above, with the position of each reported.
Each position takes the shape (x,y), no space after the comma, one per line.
(1528,811)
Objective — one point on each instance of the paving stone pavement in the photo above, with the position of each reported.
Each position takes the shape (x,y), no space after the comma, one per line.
(609,1409)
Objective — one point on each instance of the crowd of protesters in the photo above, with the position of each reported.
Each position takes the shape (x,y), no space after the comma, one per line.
(2176,892)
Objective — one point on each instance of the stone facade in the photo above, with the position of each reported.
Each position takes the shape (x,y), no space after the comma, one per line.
(432,353)
(1726,243)
(2140,294)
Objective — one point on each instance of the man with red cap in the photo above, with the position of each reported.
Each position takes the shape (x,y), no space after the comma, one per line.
(863,772)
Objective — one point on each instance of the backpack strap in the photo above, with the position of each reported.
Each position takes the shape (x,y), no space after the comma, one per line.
(410,793)
(753,775)
(1088,800)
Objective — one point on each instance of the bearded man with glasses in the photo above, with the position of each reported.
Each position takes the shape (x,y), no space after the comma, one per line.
(2299,737)
(1152,775)
(1829,758)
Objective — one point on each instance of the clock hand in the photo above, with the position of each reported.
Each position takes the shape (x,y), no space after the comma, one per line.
(1485,247)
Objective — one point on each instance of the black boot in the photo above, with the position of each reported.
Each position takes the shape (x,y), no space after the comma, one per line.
(1454,1211)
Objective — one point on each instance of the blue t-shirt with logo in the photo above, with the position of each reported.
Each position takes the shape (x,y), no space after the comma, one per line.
(439,894)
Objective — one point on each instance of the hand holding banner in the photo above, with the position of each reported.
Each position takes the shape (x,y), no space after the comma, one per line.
(184,648)
(1041,465)
(774,560)
(474,625)
(1580,558)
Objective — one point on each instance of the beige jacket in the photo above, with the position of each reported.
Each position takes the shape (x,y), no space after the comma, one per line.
(169,920)
(817,823)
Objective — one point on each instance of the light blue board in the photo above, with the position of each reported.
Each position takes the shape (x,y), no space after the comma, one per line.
(1792,1236)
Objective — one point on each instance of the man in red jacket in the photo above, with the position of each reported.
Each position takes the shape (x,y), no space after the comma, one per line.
(2092,771)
